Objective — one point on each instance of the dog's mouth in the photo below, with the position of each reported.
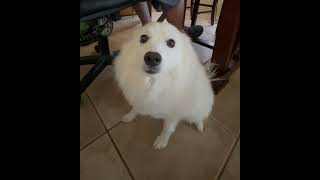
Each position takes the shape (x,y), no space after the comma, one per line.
(151,70)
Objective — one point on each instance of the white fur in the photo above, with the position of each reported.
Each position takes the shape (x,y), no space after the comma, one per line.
(181,89)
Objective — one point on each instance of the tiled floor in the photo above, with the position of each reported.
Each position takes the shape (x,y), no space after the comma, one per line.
(113,150)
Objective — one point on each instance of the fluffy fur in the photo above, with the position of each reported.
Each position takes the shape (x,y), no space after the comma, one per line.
(181,89)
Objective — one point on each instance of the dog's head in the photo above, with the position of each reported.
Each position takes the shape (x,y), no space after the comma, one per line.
(159,47)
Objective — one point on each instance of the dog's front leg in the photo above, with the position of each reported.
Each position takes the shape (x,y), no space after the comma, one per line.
(169,126)
(130,116)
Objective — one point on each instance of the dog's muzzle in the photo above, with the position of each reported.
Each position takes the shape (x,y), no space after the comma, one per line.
(152,62)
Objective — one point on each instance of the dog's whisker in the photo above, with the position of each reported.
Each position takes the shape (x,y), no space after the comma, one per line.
(212,70)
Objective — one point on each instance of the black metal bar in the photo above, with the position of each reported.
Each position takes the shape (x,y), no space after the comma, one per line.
(198,41)
(85,60)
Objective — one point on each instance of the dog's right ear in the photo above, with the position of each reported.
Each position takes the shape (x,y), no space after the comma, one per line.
(187,46)
(186,41)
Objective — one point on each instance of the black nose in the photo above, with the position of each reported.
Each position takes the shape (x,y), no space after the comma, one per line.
(152,59)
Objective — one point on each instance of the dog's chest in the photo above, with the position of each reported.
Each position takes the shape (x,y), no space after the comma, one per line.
(151,97)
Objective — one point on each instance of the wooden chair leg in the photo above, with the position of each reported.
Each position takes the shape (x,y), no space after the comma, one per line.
(184,12)
(150,8)
(191,9)
(227,43)
(162,18)
(213,12)
(195,12)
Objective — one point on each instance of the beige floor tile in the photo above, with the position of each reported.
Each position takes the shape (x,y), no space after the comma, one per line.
(189,155)
(232,170)
(227,105)
(90,125)
(100,161)
(107,98)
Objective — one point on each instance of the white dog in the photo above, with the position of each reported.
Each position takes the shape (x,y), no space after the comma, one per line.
(160,75)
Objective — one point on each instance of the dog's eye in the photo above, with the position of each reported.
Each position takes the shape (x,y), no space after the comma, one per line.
(171,43)
(144,38)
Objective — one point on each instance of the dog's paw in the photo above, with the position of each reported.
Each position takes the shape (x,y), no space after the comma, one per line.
(199,126)
(161,142)
(127,118)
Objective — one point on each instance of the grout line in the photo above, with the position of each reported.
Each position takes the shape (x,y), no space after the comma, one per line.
(105,131)
(121,157)
(98,114)
(112,140)
(114,126)
(225,162)
(225,128)
(96,111)
(94,140)
(229,153)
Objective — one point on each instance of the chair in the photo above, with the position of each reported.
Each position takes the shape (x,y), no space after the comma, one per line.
(93,10)
(227,44)
(194,10)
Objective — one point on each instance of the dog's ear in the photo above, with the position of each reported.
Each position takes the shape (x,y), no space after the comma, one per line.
(186,41)
(185,38)
(187,46)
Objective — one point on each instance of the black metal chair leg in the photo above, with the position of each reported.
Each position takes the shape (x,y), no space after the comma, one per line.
(100,62)
(191,8)
(104,61)
(87,60)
